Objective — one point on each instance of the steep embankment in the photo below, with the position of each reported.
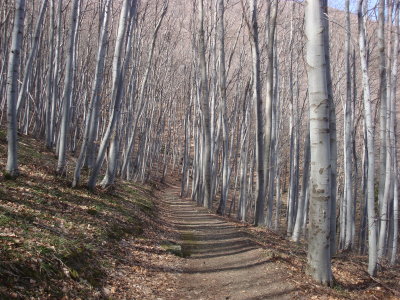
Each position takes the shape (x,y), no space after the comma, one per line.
(62,243)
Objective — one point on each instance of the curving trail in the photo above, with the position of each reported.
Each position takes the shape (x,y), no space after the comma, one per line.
(223,262)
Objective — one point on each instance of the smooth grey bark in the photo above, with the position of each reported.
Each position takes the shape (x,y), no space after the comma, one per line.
(260,110)
(393,124)
(274,145)
(67,95)
(364,204)
(301,211)
(205,113)
(56,78)
(319,258)
(278,199)
(244,147)
(332,132)
(384,213)
(383,98)
(50,78)
(293,120)
(12,87)
(372,242)
(186,149)
(272,11)
(225,130)
(32,55)
(294,158)
(348,211)
(388,203)
(88,136)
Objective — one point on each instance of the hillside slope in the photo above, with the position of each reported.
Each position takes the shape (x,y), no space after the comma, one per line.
(62,243)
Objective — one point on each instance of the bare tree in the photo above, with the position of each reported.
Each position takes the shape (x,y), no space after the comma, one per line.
(319,258)
(68,85)
(372,242)
(12,87)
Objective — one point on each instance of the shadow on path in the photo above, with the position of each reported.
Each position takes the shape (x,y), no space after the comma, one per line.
(224,262)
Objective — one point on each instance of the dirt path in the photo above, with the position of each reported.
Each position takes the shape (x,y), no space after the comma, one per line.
(223,262)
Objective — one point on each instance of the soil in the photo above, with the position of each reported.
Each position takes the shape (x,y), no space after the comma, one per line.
(222,259)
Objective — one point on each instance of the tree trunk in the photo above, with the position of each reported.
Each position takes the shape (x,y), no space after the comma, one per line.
(205,113)
(225,130)
(31,57)
(348,207)
(12,87)
(116,92)
(67,97)
(319,263)
(91,117)
(372,250)
(260,109)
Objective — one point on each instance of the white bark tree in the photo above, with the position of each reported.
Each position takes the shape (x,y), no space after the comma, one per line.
(68,90)
(319,258)
(12,87)
(205,112)
(370,190)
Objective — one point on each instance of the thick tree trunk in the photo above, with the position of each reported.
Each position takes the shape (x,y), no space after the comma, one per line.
(260,109)
(205,114)
(320,206)
(269,99)
(12,87)
(332,131)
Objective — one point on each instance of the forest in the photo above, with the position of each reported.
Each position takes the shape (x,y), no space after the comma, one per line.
(202,149)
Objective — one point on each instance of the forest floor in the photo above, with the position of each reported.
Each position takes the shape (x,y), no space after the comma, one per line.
(57,242)
(139,241)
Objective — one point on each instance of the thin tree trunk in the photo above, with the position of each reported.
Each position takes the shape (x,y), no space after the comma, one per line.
(348,208)
(68,91)
(298,227)
(225,130)
(111,130)
(32,55)
(96,88)
(372,246)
